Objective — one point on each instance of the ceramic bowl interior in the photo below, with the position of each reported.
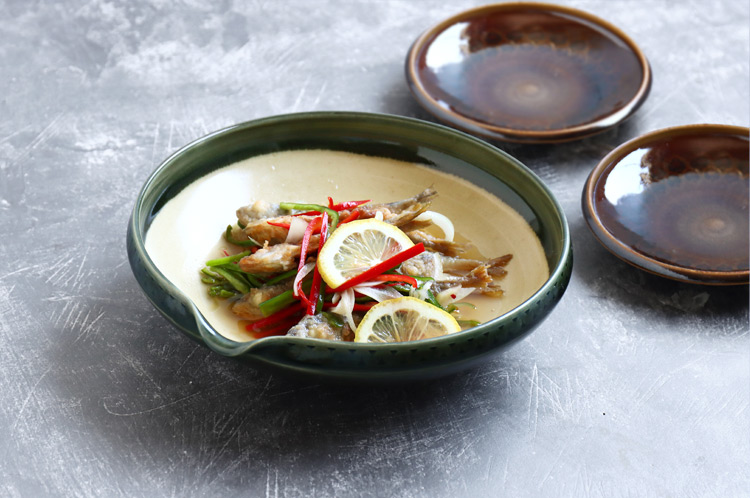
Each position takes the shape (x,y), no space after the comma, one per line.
(376,135)
(528,72)
(674,202)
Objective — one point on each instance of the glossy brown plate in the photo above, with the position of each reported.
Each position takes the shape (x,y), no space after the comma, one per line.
(674,202)
(528,72)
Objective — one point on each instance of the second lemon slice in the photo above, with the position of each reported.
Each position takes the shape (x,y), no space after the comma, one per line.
(404,319)
(357,246)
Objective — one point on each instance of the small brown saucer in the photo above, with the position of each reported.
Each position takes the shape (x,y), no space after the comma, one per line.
(528,72)
(675,202)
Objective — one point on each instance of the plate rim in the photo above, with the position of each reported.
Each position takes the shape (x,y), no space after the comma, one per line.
(494,132)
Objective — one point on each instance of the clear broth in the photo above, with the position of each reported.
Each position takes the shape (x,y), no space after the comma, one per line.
(188,230)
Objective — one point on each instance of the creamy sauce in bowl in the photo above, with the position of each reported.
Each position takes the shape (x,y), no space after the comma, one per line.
(188,230)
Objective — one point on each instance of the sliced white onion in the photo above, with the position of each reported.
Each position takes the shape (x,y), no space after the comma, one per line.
(453,294)
(379,295)
(371,283)
(379,215)
(443,223)
(305,271)
(296,230)
(345,307)
(421,292)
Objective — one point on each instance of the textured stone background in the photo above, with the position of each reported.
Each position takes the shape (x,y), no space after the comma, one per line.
(635,386)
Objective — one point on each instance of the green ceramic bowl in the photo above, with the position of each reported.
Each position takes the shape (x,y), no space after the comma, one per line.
(372,134)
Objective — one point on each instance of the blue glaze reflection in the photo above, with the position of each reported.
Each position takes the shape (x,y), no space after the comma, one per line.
(626,178)
(447,48)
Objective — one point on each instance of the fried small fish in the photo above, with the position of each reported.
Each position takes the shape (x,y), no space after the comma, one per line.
(248,306)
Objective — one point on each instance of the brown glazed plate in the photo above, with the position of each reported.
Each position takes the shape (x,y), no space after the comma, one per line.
(528,72)
(674,202)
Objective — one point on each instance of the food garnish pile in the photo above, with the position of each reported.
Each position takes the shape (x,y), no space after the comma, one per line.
(349,271)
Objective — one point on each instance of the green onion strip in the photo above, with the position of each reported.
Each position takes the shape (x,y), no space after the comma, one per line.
(332,214)
(242,243)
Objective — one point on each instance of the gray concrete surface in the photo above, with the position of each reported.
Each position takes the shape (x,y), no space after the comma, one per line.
(635,386)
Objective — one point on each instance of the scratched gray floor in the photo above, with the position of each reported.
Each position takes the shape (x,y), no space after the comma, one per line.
(635,386)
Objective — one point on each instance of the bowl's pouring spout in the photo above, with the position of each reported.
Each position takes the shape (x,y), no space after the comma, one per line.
(216,341)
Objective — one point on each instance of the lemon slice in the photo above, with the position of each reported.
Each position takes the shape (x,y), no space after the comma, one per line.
(357,246)
(404,319)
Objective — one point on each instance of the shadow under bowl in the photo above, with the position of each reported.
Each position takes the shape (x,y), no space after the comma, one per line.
(528,72)
(399,138)
(674,202)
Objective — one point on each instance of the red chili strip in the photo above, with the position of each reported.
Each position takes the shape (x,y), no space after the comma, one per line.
(387,277)
(352,216)
(323,229)
(356,294)
(273,319)
(317,282)
(308,213)
(314,224)
(345,205)
(287,225)
(382,267)
(303,256)
(279,329)
(302,297)
(363,306)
